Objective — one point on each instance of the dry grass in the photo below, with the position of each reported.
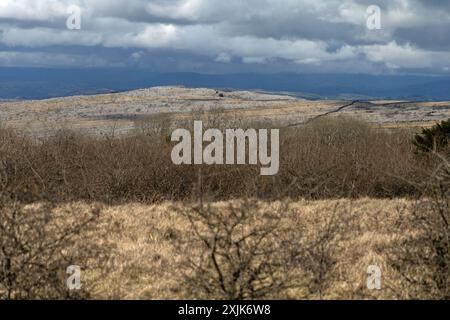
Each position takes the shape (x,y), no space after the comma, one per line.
(343,199)
(147,263)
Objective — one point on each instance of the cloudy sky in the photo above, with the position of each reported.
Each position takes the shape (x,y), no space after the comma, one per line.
(217,36)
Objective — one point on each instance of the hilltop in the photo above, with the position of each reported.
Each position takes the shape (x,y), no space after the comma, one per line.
(99,114)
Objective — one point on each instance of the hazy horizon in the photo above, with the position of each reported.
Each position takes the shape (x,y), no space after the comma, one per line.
(40,83)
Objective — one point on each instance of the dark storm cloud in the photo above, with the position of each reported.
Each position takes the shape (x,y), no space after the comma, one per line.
(227,36)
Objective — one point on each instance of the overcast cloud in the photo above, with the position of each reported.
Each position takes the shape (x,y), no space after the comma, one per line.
(229,36)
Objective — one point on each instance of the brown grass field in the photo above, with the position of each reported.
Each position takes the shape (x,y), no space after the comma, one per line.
(146,263)
(349,195)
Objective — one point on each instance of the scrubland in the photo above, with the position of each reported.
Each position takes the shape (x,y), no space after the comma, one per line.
(349,195)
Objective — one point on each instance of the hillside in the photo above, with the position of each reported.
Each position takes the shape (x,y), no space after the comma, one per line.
(119,112)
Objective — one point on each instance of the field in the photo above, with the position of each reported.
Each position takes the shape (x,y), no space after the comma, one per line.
(146,265)
(356,211)
(118,112)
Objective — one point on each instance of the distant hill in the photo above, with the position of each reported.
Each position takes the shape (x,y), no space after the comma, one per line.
(34,83)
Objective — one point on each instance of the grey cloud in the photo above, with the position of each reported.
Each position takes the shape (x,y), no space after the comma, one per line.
(213,35)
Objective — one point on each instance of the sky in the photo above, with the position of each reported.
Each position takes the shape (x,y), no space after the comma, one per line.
(217,36)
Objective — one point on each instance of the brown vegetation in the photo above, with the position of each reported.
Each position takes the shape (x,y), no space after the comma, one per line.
(327,159)
(332,242)
(347,196)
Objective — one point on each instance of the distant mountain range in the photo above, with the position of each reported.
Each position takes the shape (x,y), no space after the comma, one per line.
(37,83)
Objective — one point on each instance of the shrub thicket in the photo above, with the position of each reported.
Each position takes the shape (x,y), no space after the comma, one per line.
(435,138)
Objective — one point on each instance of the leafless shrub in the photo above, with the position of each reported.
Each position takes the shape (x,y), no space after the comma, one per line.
(344,157)
(155,125)
(322,250)
(37,245)
(36,249)
(250,251)
(238,253)
(329,158)
(422,259)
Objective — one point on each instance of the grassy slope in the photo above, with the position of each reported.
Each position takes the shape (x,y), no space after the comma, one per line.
(146,262)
